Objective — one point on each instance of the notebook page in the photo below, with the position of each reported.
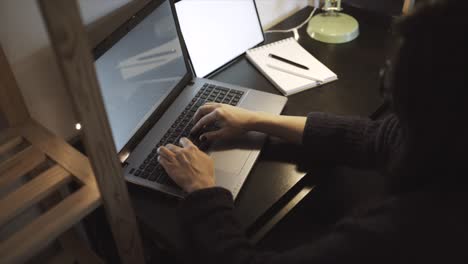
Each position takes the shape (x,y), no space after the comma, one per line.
(291,50)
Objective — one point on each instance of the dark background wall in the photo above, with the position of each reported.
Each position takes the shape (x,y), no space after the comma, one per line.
(2,122)
(392,7)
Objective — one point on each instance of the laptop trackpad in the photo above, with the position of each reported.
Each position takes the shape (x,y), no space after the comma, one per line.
(231,156)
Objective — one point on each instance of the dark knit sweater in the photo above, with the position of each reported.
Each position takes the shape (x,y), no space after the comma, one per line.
(422,226)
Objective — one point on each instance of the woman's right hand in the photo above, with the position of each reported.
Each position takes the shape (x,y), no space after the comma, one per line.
(231,121)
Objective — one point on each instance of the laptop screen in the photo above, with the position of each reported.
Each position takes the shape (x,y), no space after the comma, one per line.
(216,32)
(138,72)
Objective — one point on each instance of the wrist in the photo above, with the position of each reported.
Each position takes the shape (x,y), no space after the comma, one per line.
(255,121)
(196,186)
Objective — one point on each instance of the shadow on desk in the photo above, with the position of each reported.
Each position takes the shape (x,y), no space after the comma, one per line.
(338,192)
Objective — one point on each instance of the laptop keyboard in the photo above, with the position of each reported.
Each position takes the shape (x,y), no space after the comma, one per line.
(150,169)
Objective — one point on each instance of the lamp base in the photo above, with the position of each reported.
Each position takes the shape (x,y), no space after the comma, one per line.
(333,28)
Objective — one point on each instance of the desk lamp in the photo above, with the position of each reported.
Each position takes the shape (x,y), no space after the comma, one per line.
(332,26)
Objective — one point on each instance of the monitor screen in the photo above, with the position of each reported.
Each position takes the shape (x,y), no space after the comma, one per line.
(139,71)
(216,32)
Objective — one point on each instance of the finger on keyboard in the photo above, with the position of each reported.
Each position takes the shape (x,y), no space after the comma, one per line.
(205,121)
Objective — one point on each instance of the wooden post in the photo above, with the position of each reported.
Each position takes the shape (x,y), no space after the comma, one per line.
(407,6)
(70,43)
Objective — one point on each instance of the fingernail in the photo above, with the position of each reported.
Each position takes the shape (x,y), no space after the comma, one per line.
(182,139)
(202,138)
(158,150)
(159,158)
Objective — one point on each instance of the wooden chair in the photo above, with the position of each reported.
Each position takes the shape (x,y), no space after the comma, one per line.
(40,146)
(28,145)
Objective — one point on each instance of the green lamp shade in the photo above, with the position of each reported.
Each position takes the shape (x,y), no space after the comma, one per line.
(333,28)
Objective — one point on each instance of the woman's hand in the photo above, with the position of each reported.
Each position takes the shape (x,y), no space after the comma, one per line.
(188,166)
(232,121)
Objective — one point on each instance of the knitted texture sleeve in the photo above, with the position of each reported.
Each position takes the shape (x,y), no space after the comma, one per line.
(350,141)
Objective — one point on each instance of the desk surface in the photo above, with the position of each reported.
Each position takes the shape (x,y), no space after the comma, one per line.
(357,65)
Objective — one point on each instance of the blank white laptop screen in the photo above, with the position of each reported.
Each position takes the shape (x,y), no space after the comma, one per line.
(218,31)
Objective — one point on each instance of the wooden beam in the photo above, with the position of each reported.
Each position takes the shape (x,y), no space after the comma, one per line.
(32,192)
(73,246)
(59,151)
(10,144)
(70,43)
(41,232)
(8,134)
(11,101)
(23,163)
(407,6)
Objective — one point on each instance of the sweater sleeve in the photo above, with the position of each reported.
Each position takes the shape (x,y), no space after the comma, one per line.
(214,236)
(351,141)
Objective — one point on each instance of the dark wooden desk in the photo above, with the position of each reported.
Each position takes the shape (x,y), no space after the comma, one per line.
(272,188)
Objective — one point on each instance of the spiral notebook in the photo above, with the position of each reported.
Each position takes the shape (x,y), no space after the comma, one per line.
(287,78)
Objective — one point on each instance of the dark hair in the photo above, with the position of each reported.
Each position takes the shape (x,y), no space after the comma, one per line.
(429,83)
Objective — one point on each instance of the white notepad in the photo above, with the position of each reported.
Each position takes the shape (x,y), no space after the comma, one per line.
(286,77)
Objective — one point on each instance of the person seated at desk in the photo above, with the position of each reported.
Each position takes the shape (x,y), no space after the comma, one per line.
(422,148)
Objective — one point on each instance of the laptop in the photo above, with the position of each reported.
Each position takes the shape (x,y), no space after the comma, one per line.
(150,95)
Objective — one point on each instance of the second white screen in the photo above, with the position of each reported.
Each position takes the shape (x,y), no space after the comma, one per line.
(216,32)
